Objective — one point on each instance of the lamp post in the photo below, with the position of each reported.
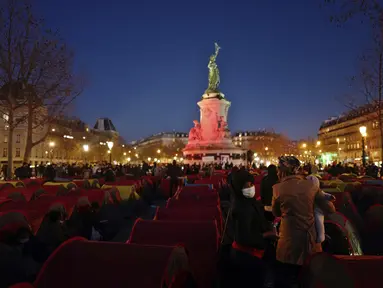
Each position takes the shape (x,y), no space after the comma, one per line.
(85,147)
(363,132)
(110,146)
(51,145)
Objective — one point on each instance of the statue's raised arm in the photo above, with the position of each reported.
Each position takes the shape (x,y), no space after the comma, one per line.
(217,48)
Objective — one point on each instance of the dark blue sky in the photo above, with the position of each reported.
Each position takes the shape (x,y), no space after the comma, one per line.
(283,64)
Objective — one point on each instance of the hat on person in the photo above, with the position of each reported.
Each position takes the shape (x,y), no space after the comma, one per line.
(289,164)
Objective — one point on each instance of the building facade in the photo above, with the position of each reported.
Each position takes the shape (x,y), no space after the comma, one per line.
(266,145)
(161,147)
(341,139)
(63,143)
(161,139)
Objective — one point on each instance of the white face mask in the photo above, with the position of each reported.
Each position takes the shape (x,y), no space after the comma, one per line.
(249,192)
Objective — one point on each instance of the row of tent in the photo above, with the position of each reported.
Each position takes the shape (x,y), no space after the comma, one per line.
(179,248)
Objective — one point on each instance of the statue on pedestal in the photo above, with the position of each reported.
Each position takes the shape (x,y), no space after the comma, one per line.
(214,78)
(195,132)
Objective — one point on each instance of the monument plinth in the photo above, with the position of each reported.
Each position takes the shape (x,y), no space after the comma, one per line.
(210,138)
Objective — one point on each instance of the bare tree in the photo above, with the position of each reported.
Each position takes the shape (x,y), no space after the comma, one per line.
(344,10)
(370,80)
(37,62)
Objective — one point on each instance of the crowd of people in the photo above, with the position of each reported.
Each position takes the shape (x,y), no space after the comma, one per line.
(289,191)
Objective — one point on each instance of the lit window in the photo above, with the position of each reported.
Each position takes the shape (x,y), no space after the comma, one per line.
(6,139)
(17,152)
(18,138)
(5,152)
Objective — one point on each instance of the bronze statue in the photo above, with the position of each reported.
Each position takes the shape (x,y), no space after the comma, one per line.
(214,78)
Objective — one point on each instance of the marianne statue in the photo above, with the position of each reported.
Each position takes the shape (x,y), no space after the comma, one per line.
(213,72)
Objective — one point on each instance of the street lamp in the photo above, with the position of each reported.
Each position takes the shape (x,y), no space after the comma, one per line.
(337,141)
(86,149)
(51,145)
(110,146)
(158,151)
(363,132)
(318,143)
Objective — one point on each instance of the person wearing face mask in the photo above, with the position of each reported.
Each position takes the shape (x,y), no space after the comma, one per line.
(249,226)
(293,200)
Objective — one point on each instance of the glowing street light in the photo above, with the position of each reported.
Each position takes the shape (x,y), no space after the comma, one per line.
(158,151)
(129,159)
(304,145)
(110,144)
(52,144)
(318,143)
(149,159)
(124,153)
(363,131)
(266,148)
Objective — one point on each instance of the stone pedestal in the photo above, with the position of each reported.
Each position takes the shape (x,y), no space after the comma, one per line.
(210,140)
(210,112)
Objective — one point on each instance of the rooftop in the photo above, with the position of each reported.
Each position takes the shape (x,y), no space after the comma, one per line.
(355,113)
(161,135)
(263,132)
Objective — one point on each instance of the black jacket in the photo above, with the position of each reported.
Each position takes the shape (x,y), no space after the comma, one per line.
(249,221)
(267,184)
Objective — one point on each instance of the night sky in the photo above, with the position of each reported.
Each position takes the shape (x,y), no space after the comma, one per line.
(283,64)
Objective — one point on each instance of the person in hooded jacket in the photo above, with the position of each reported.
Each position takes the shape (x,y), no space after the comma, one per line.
(16,262)
(249,226)
(53,230)
(267,184)
(293,200)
